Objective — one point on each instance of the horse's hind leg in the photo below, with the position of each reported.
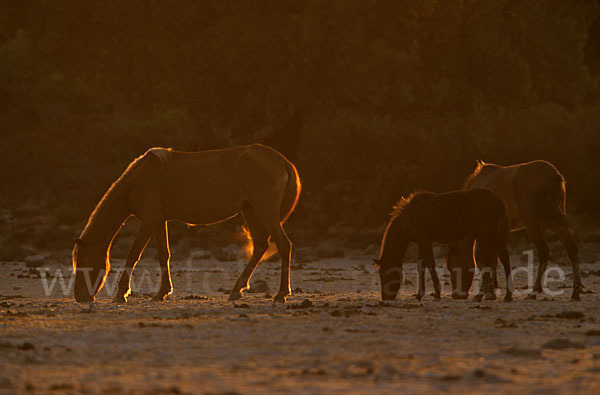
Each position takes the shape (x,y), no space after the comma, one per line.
(505,259)
(426,252)
(566,239)
(161,240)
(284,246)
(124,289)
(534,228)
(260,244)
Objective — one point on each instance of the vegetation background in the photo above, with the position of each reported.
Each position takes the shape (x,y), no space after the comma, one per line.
(371,99)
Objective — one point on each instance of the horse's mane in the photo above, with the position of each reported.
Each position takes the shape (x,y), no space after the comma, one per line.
(479,169)
(402,203)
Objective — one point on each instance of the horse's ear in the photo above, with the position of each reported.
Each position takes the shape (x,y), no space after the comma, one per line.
(377,264)
(78,242)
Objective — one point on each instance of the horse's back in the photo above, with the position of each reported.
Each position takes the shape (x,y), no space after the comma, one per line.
(443,217)
(209,186)
(518,185)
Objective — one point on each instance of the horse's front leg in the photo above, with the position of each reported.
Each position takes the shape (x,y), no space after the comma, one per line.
(124,288)
(489,259)
(421,275)
(483,285)
(426,252)
(161,238)
(505,259)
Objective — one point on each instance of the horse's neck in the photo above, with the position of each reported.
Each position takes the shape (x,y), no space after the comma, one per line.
(106,224)
(395,242)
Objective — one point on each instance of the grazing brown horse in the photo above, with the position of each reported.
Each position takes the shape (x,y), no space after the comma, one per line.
(197,188)
(425,217)
(535,196)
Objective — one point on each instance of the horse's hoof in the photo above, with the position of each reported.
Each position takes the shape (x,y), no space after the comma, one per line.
(477,298)
(437,298)
(419,297)
(531,296)
(508,299)
(120,299)
(234,296)
(576,297)
(280,298)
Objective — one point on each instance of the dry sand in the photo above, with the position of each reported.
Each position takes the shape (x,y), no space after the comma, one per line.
(347,341)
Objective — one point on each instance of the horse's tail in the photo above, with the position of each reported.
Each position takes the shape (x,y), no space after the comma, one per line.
(549,201)
(292,191)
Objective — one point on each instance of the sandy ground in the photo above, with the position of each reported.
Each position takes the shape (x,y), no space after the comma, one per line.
(344,340)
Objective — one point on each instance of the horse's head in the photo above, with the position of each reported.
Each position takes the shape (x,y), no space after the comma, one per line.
(90,264)
(391,276)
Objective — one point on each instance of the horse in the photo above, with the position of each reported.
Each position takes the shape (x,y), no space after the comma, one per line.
(425,217)
(535,196)
(205,187)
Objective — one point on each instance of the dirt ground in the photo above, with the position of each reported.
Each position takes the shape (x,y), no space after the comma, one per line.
(332,336)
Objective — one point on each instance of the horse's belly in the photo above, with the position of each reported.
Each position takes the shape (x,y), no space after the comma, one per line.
(203,209)
(200,216)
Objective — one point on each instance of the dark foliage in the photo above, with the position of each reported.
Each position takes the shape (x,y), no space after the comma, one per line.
(373,98)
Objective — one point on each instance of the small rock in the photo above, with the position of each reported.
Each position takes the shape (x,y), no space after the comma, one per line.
(14,313)
(241,306)
(61,387)
(562,344)
(570,315)
(504,324)
(522,352)
(450,377)
(306,304)
(480,307)
(27,346)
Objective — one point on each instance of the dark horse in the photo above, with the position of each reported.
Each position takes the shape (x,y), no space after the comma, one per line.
(425,217)
(197,188)
(535,196)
